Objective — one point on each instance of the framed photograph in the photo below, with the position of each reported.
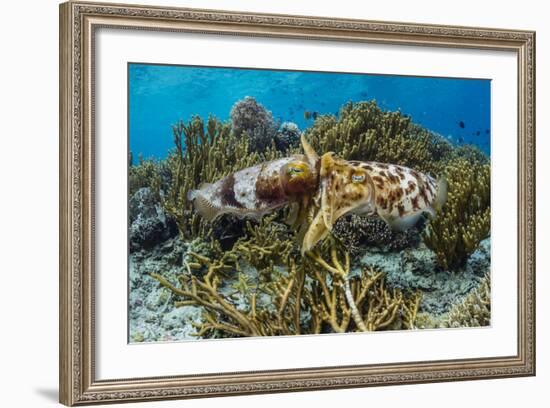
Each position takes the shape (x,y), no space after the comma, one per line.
(256,203)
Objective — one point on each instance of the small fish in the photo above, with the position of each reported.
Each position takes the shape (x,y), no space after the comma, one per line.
(478,133)
(460,139)
(461,124)
(307,115)
(257,190)
(397,194)
(315,115)
(486,131)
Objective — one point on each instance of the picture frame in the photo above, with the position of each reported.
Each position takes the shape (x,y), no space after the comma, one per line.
(79,25)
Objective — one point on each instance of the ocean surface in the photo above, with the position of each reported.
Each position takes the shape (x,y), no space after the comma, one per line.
(161,95)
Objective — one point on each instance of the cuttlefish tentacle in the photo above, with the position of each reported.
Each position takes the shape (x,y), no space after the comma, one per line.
(344,188)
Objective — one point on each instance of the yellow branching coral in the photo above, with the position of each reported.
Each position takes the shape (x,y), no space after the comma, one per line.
(363,300)
(266,243)
(364,132)
(475,309)
(324,291)
(465,219)
(204,153)
(222,315)
(146,173)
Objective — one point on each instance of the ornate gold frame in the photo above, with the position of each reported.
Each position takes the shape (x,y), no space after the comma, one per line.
(78,21)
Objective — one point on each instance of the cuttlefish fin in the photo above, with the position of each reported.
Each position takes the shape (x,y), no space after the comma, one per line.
(205,207)
(403,223)
(312,156)
(316,232)
(441,197)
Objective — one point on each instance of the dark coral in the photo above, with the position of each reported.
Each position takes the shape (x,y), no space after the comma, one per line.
(288,136)
(358,233)
(149,223)
(252,120)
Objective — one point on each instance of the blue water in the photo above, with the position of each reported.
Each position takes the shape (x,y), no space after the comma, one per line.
(160,95)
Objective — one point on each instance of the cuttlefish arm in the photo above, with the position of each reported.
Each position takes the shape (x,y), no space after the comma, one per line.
(344,188)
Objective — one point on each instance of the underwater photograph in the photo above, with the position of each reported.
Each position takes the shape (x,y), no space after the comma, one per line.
(277,203)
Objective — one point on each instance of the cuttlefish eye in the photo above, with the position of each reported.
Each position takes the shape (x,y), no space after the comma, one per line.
(296,169)
(358,178)
(297,178)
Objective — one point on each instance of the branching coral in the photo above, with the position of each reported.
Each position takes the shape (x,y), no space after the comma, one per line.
(465,220)
(475,309)
(203,154)
(266,244)
(333,300)
(146,173)
(220,314)
(364,299)
(363,131)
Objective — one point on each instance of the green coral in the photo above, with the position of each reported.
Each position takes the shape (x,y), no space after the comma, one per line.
(363,131)
(465,219)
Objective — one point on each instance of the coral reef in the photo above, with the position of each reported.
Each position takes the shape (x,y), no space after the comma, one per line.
(252,120)
(149,224)
(152,313)
(308,297)
(475,309)
(465,220)
(245,277)
(288,136)
(204,153)
(146,173)
(415,269)
(360,232)
(362,131)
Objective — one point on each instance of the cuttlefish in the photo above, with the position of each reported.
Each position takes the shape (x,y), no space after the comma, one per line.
(328,187)
(397,194)
(258,190)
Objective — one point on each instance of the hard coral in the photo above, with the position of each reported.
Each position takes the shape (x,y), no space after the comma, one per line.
(288,136)
(475,309)
(363,131)
(204,153)
(146,173)
(252,120)
(357,233)
(324,291)
(149,224)
(465,219)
